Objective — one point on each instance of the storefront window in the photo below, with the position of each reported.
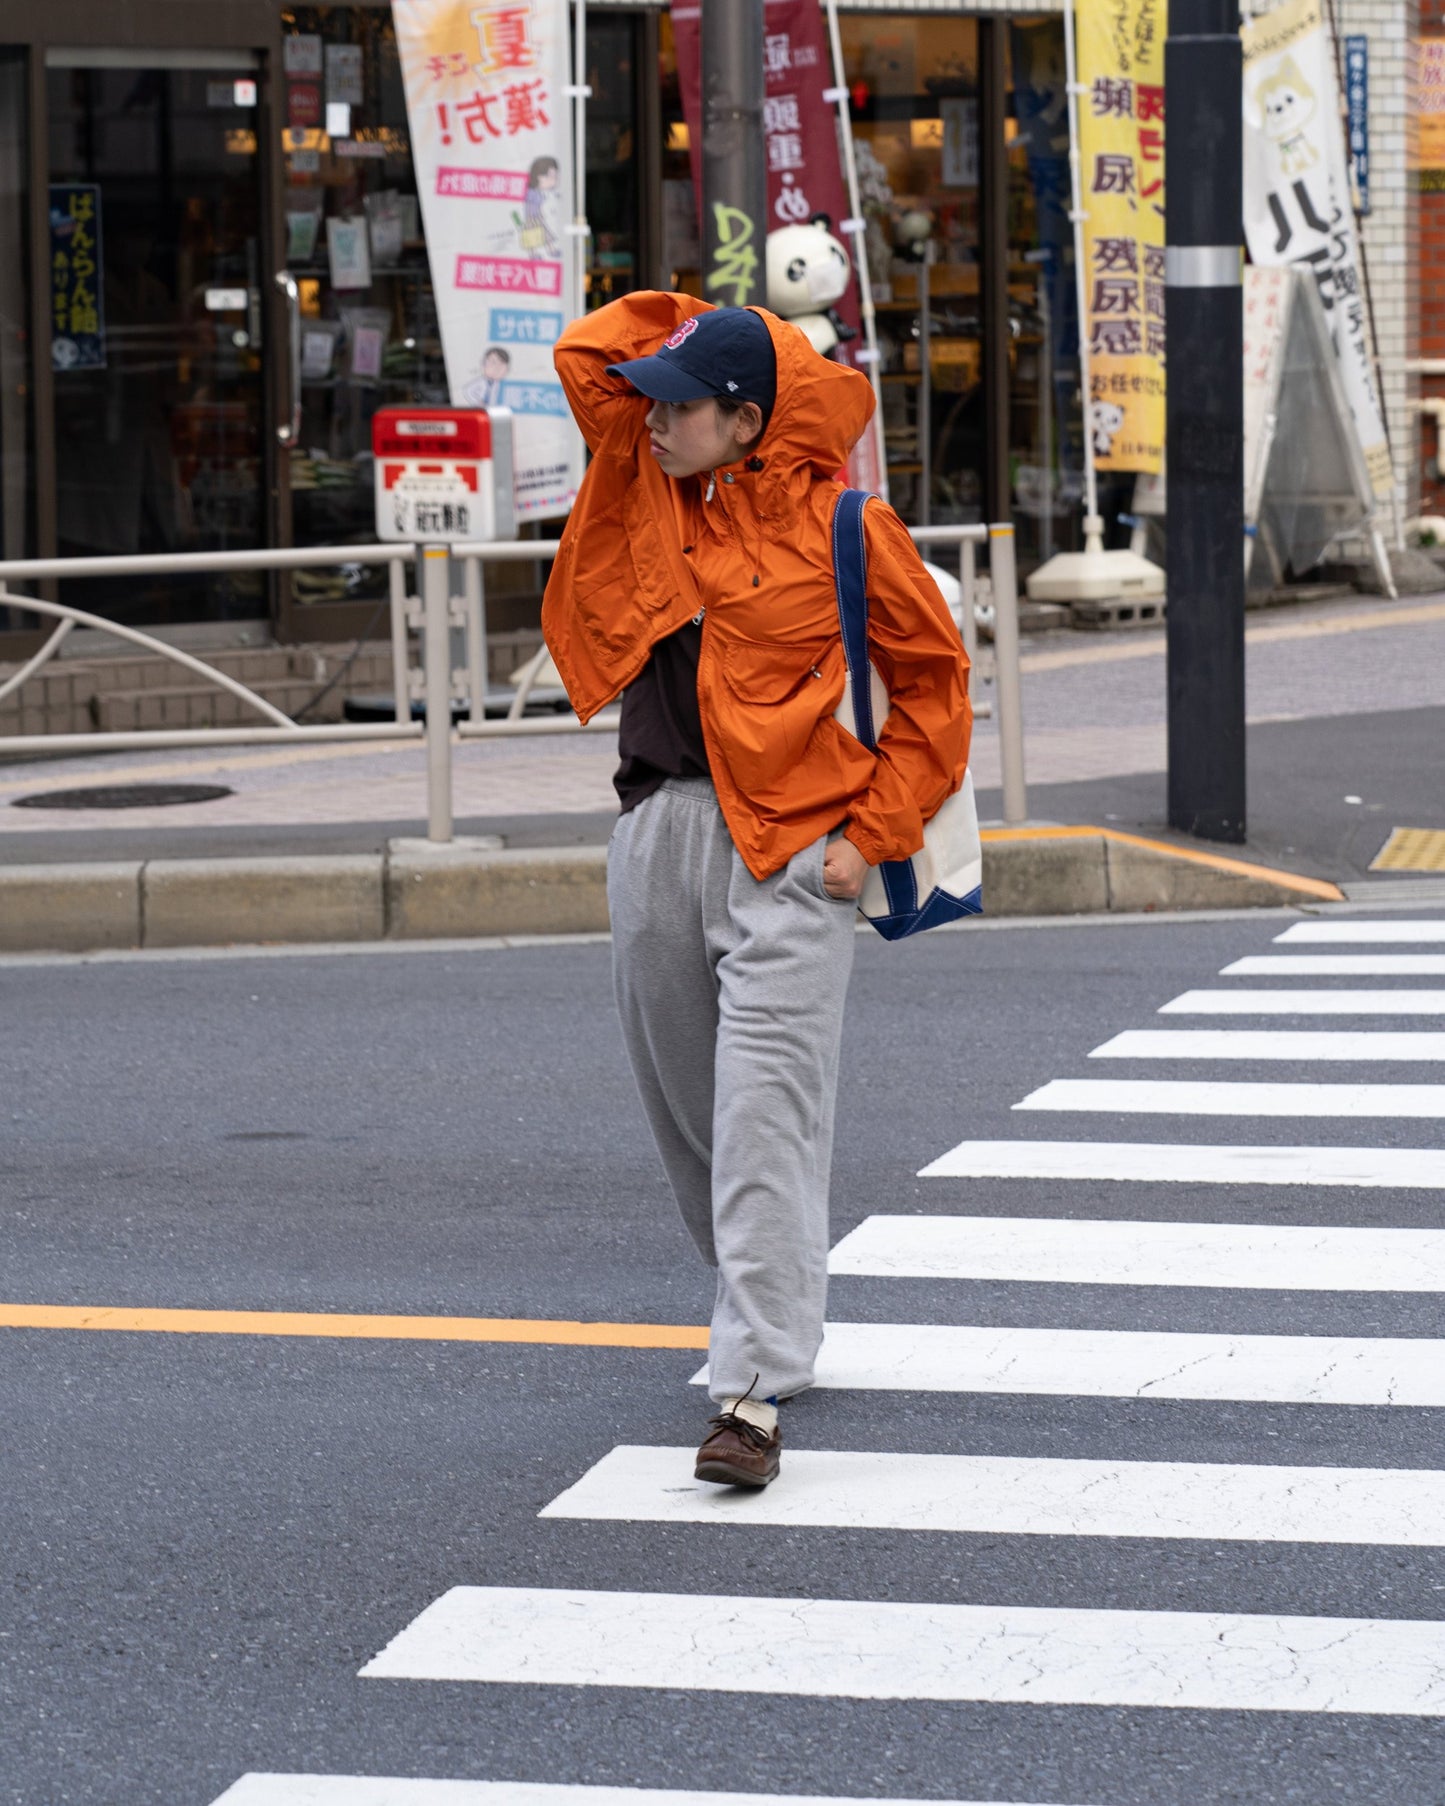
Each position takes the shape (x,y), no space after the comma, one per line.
(16,459)
(153,328)
(914,89)
(613,187)
(1045,453)
(354,243)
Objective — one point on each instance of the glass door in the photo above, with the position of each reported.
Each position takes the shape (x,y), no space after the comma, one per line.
(157,309)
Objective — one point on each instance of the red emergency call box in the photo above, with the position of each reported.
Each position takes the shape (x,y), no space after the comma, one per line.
(443,474)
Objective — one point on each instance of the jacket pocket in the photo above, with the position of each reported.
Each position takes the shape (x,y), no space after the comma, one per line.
(772,672)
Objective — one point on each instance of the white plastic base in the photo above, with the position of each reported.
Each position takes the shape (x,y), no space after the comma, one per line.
(1095,576)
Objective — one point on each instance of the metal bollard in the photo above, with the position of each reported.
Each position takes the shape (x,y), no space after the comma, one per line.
(1006,658)
(437,664)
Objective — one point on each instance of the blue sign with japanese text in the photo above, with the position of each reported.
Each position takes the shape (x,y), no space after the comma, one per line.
(77,303)
(1357,96)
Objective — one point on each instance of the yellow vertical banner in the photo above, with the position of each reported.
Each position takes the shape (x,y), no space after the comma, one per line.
(1121,148)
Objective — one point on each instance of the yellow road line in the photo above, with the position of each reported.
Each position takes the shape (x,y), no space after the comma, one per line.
(1309,887)
(370,1328)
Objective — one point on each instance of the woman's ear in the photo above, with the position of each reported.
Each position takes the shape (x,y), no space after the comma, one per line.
(748,424)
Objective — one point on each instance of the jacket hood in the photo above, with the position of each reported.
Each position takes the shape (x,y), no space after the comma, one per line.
(822,408)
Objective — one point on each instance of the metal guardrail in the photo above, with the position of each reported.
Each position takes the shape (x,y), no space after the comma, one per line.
(435,613)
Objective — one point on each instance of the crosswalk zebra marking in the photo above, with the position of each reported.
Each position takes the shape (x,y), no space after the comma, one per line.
(1123,1363)
(1163,1163)
(1337,965)
(1351,931)
(1224,1097)
(1399,1002)
(1364,1045)
(1088,1251)
(399,1790)
(882,1649)
(998,1495)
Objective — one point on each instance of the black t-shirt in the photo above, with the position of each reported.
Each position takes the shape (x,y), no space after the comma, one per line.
(660,734)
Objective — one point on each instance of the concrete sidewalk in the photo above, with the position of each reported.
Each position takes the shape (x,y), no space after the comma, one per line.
(1347,699)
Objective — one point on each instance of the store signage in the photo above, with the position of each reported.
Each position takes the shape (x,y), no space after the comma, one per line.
(1357,102)
(77,287)
(1121,153)
(1297,195)
(442,474)
(491,144)
(1432,114)
(805,175)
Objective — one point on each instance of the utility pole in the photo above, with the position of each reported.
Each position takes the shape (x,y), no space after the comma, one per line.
(1204,233)
(734,167)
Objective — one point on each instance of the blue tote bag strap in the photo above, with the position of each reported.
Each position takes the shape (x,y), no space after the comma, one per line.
(850,577)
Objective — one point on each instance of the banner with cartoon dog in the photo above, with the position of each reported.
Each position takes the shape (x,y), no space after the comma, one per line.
(491,144)
(1121,151)
(1297,207)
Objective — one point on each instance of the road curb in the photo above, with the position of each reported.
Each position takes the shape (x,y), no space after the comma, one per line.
(416,892)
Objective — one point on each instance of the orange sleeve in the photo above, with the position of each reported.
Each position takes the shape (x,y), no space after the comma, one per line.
(923,747)
(605,406)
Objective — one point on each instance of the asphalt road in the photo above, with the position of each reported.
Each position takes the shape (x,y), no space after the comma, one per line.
(206,1537)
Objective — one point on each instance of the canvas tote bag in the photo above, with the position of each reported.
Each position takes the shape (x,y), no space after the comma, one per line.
(945,880)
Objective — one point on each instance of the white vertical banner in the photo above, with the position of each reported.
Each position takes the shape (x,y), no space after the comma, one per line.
(490,118)
(1297,207)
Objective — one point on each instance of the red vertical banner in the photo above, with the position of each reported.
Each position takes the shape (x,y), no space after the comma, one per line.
(805,175)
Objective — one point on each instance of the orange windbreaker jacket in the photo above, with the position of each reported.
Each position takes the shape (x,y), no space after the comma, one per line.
(642,554)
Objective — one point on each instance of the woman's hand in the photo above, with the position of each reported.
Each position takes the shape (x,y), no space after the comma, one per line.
(844,870)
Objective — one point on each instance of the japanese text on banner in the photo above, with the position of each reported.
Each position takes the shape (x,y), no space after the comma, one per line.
(1297,195)
(805,175)
(491,144)
(1121,145)
(77,306)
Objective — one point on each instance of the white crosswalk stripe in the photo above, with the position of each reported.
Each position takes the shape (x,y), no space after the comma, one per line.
(1170,1163)
(1004,1496)
(1298,1002)
(873,1649)
(880,1649)
(1127,1363)
(1337,965)
(398,1790)
(1211,1097)
(1090,1251)
(1363,1045)
(1381,933)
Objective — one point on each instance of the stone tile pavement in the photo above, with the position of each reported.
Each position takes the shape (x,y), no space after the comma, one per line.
(1094,707)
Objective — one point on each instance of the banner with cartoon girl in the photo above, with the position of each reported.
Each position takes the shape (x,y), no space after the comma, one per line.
(491,144)
(1297,207)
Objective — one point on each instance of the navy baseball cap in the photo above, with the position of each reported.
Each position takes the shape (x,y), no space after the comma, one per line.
(728,352)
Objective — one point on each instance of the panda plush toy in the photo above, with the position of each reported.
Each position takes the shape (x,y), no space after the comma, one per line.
(808,273)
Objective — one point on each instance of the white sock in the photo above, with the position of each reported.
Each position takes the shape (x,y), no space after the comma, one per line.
(753,1411)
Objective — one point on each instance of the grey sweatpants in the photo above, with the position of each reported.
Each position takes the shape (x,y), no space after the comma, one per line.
(731,995)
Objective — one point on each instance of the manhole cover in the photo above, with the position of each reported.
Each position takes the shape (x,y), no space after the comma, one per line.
(124,796)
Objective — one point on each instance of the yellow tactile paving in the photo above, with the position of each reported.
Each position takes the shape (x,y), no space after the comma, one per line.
(1412,850)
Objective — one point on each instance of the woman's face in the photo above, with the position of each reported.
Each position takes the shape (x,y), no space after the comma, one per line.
(687,437)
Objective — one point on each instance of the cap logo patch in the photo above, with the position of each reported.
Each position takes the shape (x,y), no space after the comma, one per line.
(683,333)
(733,388)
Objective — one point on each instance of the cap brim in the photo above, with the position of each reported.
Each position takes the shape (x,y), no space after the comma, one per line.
(660,380)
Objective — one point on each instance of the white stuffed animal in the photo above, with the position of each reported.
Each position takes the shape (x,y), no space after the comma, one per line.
(808,272)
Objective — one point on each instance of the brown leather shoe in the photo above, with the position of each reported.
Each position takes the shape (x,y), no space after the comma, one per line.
(738,1453)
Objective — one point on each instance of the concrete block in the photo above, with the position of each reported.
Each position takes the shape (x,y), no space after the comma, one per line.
(69,908)
(1045,875)
(436,892)
(211,902)
(1142,878)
